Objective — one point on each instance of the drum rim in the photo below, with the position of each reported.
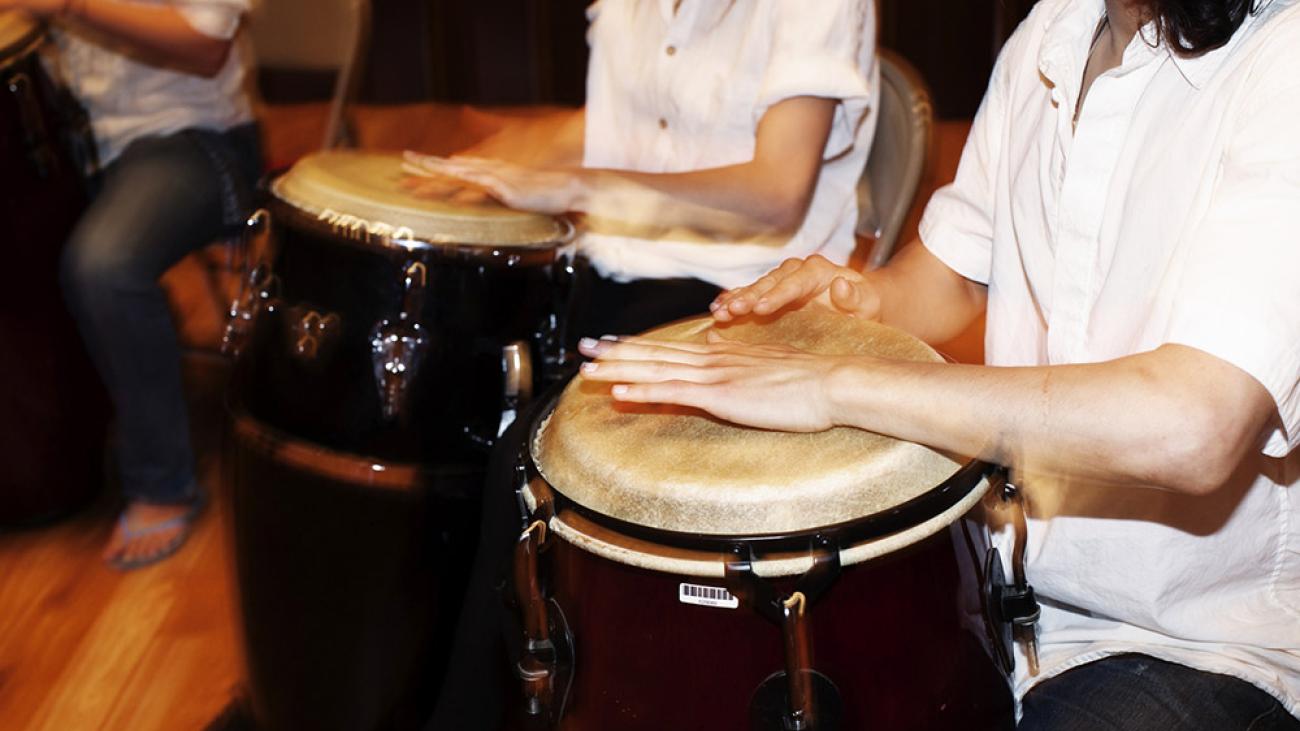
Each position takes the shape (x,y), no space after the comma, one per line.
(507,254)
(340,466)
(905,515)
(317,217)
(24,46)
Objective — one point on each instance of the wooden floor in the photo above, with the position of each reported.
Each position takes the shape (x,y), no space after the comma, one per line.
(84,648)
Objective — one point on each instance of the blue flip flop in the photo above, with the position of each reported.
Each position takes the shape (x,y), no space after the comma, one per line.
(184,521)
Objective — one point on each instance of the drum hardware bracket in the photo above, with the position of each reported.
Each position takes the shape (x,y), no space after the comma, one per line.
(257,291)
(759,593)
(36,137)
(789,613)
(1016,603)
(311,331)
(397,346)
(546,665)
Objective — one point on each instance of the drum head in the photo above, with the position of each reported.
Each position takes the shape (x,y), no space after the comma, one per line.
(361,191)
(17,30)
(679,470)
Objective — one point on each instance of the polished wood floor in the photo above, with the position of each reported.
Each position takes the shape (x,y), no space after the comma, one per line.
(84,648)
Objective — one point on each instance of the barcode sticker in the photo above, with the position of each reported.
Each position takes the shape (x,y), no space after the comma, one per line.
(707,596)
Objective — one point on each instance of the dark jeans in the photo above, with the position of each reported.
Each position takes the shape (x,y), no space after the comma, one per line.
(473,697)
(1140,693)
(161,199)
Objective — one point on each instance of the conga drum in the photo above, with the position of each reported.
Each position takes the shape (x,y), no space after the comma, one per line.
(53,406)
(384,343)
(679,572)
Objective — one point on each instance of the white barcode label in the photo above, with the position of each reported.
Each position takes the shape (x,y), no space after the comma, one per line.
(707,596)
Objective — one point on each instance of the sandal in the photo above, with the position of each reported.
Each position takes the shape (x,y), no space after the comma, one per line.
(185,523)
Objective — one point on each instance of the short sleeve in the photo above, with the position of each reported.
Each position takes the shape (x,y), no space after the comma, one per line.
(214,18)
(957,226)
(1239,299)
(824,49)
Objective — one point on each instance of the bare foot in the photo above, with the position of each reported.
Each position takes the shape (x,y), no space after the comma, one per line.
(147,533)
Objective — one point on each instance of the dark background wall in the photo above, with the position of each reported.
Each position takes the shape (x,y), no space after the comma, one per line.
(534,51)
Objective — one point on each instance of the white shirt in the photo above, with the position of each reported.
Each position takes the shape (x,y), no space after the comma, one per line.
(1172,216)
(678,92)
(127,99)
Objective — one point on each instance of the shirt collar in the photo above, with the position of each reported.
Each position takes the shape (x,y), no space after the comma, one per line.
(1068,38)
(694,16)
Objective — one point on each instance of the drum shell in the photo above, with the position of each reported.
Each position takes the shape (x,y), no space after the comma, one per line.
(476,301)
(903,637)
(346,586)
(52,436)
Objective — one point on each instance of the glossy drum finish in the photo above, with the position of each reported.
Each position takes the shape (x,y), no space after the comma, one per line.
(903,638)
(446,315)
(348,569)
(373,373)
(55,410)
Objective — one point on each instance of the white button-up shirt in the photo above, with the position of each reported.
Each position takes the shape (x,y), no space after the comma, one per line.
(1172,215)
(127,99)
(678,91)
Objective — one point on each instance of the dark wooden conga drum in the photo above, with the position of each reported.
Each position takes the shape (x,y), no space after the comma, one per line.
(684,573)
(52,407)
(384,341)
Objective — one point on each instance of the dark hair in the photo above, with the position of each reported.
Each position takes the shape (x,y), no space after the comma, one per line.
(1194,27)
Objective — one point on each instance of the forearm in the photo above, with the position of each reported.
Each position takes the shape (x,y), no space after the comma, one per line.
(748,202)
(549,139)
(921,295)
(158,33)
(1173,418)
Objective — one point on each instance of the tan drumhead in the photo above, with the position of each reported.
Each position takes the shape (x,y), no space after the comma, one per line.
(671,469)
(361,190)
(17,30)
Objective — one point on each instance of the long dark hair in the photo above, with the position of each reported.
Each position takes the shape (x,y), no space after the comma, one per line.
(1194,27)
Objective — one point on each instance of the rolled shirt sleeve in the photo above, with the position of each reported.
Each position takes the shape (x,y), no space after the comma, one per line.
(214,18)
(823,49)
(1239,299)
(957,226)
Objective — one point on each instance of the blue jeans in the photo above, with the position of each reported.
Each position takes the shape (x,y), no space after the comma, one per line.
(161,199)
(1140,693)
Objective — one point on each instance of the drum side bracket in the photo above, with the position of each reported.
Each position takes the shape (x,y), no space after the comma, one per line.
(759,593)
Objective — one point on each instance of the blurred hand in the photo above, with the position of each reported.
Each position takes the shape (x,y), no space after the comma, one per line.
(764,386)
(441,187)
(798,282)
(524,188)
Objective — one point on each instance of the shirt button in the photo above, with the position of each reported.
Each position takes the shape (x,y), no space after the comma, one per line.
(663,123)
(671,50)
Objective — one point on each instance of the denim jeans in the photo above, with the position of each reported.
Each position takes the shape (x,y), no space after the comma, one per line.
(1140,693)
(164,197)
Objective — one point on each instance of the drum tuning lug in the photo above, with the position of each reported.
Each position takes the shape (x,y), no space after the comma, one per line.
(397,347)
(546,663)
(517,372)
(257,289)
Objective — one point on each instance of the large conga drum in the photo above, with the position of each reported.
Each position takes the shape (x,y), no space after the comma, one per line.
(384,343)
(52,406)
(684,573)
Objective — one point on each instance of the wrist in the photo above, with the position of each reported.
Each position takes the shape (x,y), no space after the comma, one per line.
(842,389)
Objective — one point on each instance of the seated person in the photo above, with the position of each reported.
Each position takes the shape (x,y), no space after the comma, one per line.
(1127,211)
(163,85)
(718,139)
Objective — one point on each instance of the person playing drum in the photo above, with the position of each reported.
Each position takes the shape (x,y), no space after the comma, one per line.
(718,138)
(1126,213)
(162,82)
